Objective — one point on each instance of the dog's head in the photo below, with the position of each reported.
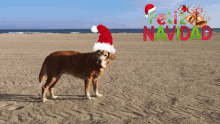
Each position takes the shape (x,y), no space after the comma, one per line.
(103,57)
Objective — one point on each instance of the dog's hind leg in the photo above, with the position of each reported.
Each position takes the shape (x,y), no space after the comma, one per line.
(42,73)
(95,88)
(50,81)
(51,89)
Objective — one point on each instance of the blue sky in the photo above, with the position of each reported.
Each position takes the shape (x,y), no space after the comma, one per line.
(71,14)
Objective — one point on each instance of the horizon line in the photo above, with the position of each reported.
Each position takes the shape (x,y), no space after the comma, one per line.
(78,29)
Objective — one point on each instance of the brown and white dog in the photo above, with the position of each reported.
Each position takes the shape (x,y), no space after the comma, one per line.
(87,66)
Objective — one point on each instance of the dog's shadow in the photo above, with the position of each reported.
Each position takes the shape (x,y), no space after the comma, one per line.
(35,98)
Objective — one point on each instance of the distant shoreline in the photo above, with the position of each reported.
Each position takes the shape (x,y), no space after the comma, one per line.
(213,33)
(75,31)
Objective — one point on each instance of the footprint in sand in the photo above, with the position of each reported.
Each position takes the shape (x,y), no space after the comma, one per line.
(11,106)
(15,107)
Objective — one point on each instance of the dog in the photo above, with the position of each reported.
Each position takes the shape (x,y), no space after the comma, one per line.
(87,66)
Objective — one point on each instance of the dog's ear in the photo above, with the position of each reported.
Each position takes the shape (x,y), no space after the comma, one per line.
(112,56)
(95,54)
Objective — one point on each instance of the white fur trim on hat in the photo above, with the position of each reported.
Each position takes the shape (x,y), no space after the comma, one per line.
(151,10)
(104,46)
(94,29)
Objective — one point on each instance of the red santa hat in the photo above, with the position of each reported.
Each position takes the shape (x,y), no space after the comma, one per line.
(105,41)
(149,8)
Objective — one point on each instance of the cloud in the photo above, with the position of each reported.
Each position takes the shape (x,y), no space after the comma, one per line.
(110,21)
(160,4)
(132,15)
(212,7)
(212,12)
(136,18)
(76,22)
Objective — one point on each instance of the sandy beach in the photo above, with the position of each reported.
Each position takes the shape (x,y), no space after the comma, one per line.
(149,82)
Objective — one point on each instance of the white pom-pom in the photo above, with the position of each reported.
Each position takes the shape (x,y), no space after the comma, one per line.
(94,29)
(146,16)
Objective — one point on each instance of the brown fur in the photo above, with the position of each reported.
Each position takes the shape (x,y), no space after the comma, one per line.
(86,66)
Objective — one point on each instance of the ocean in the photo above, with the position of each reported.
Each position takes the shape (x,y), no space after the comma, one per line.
(24,31)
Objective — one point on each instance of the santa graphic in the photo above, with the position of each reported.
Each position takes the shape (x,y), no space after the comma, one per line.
(149,8)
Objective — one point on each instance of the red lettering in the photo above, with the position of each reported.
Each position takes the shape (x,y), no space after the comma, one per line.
(151,35)
(159,19)
(203,33)
(181,33)
(168,32)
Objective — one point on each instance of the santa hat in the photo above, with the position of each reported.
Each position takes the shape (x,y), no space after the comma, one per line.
(105,41)
(149,8)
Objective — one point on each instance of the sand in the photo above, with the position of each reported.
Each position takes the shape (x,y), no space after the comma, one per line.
(149,82)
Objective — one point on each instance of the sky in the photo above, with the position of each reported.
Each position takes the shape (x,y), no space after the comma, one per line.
(83,14)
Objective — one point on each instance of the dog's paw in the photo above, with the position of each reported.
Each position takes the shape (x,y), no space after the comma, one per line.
(44,100)
(99,95)
(54,97)
(88,97)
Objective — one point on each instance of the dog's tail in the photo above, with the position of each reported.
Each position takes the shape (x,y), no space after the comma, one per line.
(42,73)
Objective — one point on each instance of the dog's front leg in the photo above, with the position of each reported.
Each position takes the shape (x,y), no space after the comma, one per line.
(87,88)
(95,88)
